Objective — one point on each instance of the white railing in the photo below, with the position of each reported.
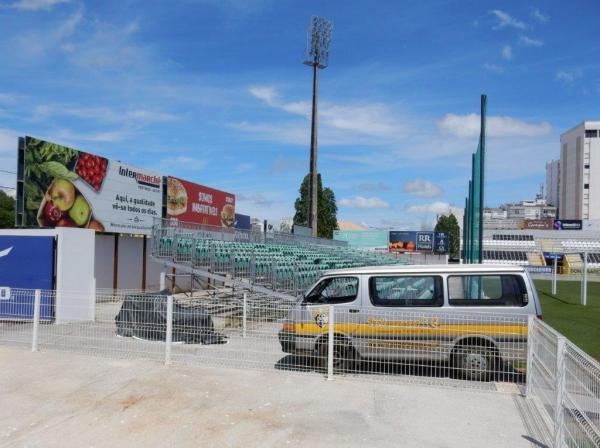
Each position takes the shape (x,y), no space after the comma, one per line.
(565,384)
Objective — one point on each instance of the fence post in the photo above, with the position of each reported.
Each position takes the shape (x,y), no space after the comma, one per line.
(560,392)
(245,315)
(36,319)
(169,334)
(163,281)
(529,371)
(330,342)
(554,273)
(584,286)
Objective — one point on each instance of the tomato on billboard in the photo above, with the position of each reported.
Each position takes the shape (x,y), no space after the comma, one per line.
(190,202)
(65,187)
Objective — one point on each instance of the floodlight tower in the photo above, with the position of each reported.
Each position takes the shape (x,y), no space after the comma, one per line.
(316,56)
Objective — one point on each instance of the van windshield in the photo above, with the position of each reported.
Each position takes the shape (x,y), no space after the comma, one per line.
(334,290)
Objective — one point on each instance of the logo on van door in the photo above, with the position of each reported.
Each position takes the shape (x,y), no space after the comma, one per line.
(321,319)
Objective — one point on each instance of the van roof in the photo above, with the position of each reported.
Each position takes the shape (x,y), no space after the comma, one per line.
(427,268)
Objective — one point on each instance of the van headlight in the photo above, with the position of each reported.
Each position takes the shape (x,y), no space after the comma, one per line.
(289,327)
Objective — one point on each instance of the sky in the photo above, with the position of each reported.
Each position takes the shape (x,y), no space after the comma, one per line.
(215,92)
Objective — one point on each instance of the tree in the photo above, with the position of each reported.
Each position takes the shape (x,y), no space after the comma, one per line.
(449,224)
(326,208)
(7,211)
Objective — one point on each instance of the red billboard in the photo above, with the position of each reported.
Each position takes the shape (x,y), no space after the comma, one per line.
(190,202)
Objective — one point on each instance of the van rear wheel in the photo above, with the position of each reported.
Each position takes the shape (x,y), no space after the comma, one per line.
(475,363)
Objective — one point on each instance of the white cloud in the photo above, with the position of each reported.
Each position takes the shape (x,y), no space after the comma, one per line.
(102,136)
(568,76)
(530,42)
(434,207)
(506,20)
(539,16)
(362,202)
(36,5)
(244,167)
(183,162)
(254,198)
(103,114)
(282,164)
(8,142)
(493,68)
(422,189)
(373,186)
(466,126)
(506,52)
(339,123)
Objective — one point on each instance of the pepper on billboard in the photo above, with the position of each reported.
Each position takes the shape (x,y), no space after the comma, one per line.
(190,202)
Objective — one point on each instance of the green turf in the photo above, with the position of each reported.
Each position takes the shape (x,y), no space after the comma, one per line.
(581,324)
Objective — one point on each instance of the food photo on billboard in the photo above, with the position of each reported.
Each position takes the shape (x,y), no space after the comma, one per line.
(65,187)
(195,203)
(402,241)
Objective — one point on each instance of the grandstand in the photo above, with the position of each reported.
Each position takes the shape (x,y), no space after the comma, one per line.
(537,247)
(273,262)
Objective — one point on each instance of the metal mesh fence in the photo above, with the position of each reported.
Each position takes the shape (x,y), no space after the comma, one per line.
(228,328)
(565,382)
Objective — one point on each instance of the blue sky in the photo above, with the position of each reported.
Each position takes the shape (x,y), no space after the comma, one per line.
(214,91)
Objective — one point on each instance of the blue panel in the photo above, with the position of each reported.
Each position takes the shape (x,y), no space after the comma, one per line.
(26,262)
(242,222)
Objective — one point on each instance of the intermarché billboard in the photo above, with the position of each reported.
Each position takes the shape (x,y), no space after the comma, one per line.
(190,202)
(415,241)
(65,187)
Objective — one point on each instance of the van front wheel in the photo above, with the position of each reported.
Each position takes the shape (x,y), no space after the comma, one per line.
(343,356)
(475,363)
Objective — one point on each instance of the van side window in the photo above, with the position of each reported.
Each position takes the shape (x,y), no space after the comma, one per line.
(487,290)
(406,291)
(334,290)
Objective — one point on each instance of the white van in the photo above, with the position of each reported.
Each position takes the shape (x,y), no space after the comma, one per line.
(472,316)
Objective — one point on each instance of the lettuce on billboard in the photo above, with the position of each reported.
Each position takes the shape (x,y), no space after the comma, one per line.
(190,202)
(65,187)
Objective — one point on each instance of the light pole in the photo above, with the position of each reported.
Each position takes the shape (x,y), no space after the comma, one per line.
(317,56)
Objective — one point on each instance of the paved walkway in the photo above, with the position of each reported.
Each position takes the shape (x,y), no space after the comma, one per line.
(54,399)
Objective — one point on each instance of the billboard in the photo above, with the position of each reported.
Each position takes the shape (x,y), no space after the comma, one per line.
(190,202)
(65,187)
(242,222)
(568,224)
(414,241)
(537,224)
(25,262)
(366,239)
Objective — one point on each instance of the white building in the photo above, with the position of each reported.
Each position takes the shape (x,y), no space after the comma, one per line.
(580,172)
(553,183)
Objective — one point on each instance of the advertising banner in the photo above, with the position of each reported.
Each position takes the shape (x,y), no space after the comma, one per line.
(366,239)
(190,202)
(242,222)
(304,231)
(412,241)
(537,224)
(25,262)
(64,187)
(568,224)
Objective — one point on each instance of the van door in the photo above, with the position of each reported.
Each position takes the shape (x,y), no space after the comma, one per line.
(399,317)
(343,292)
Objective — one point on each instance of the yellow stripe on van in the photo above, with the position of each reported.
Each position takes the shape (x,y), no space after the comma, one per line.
(417,328)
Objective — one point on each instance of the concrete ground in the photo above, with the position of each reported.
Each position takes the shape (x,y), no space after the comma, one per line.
(57,399)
